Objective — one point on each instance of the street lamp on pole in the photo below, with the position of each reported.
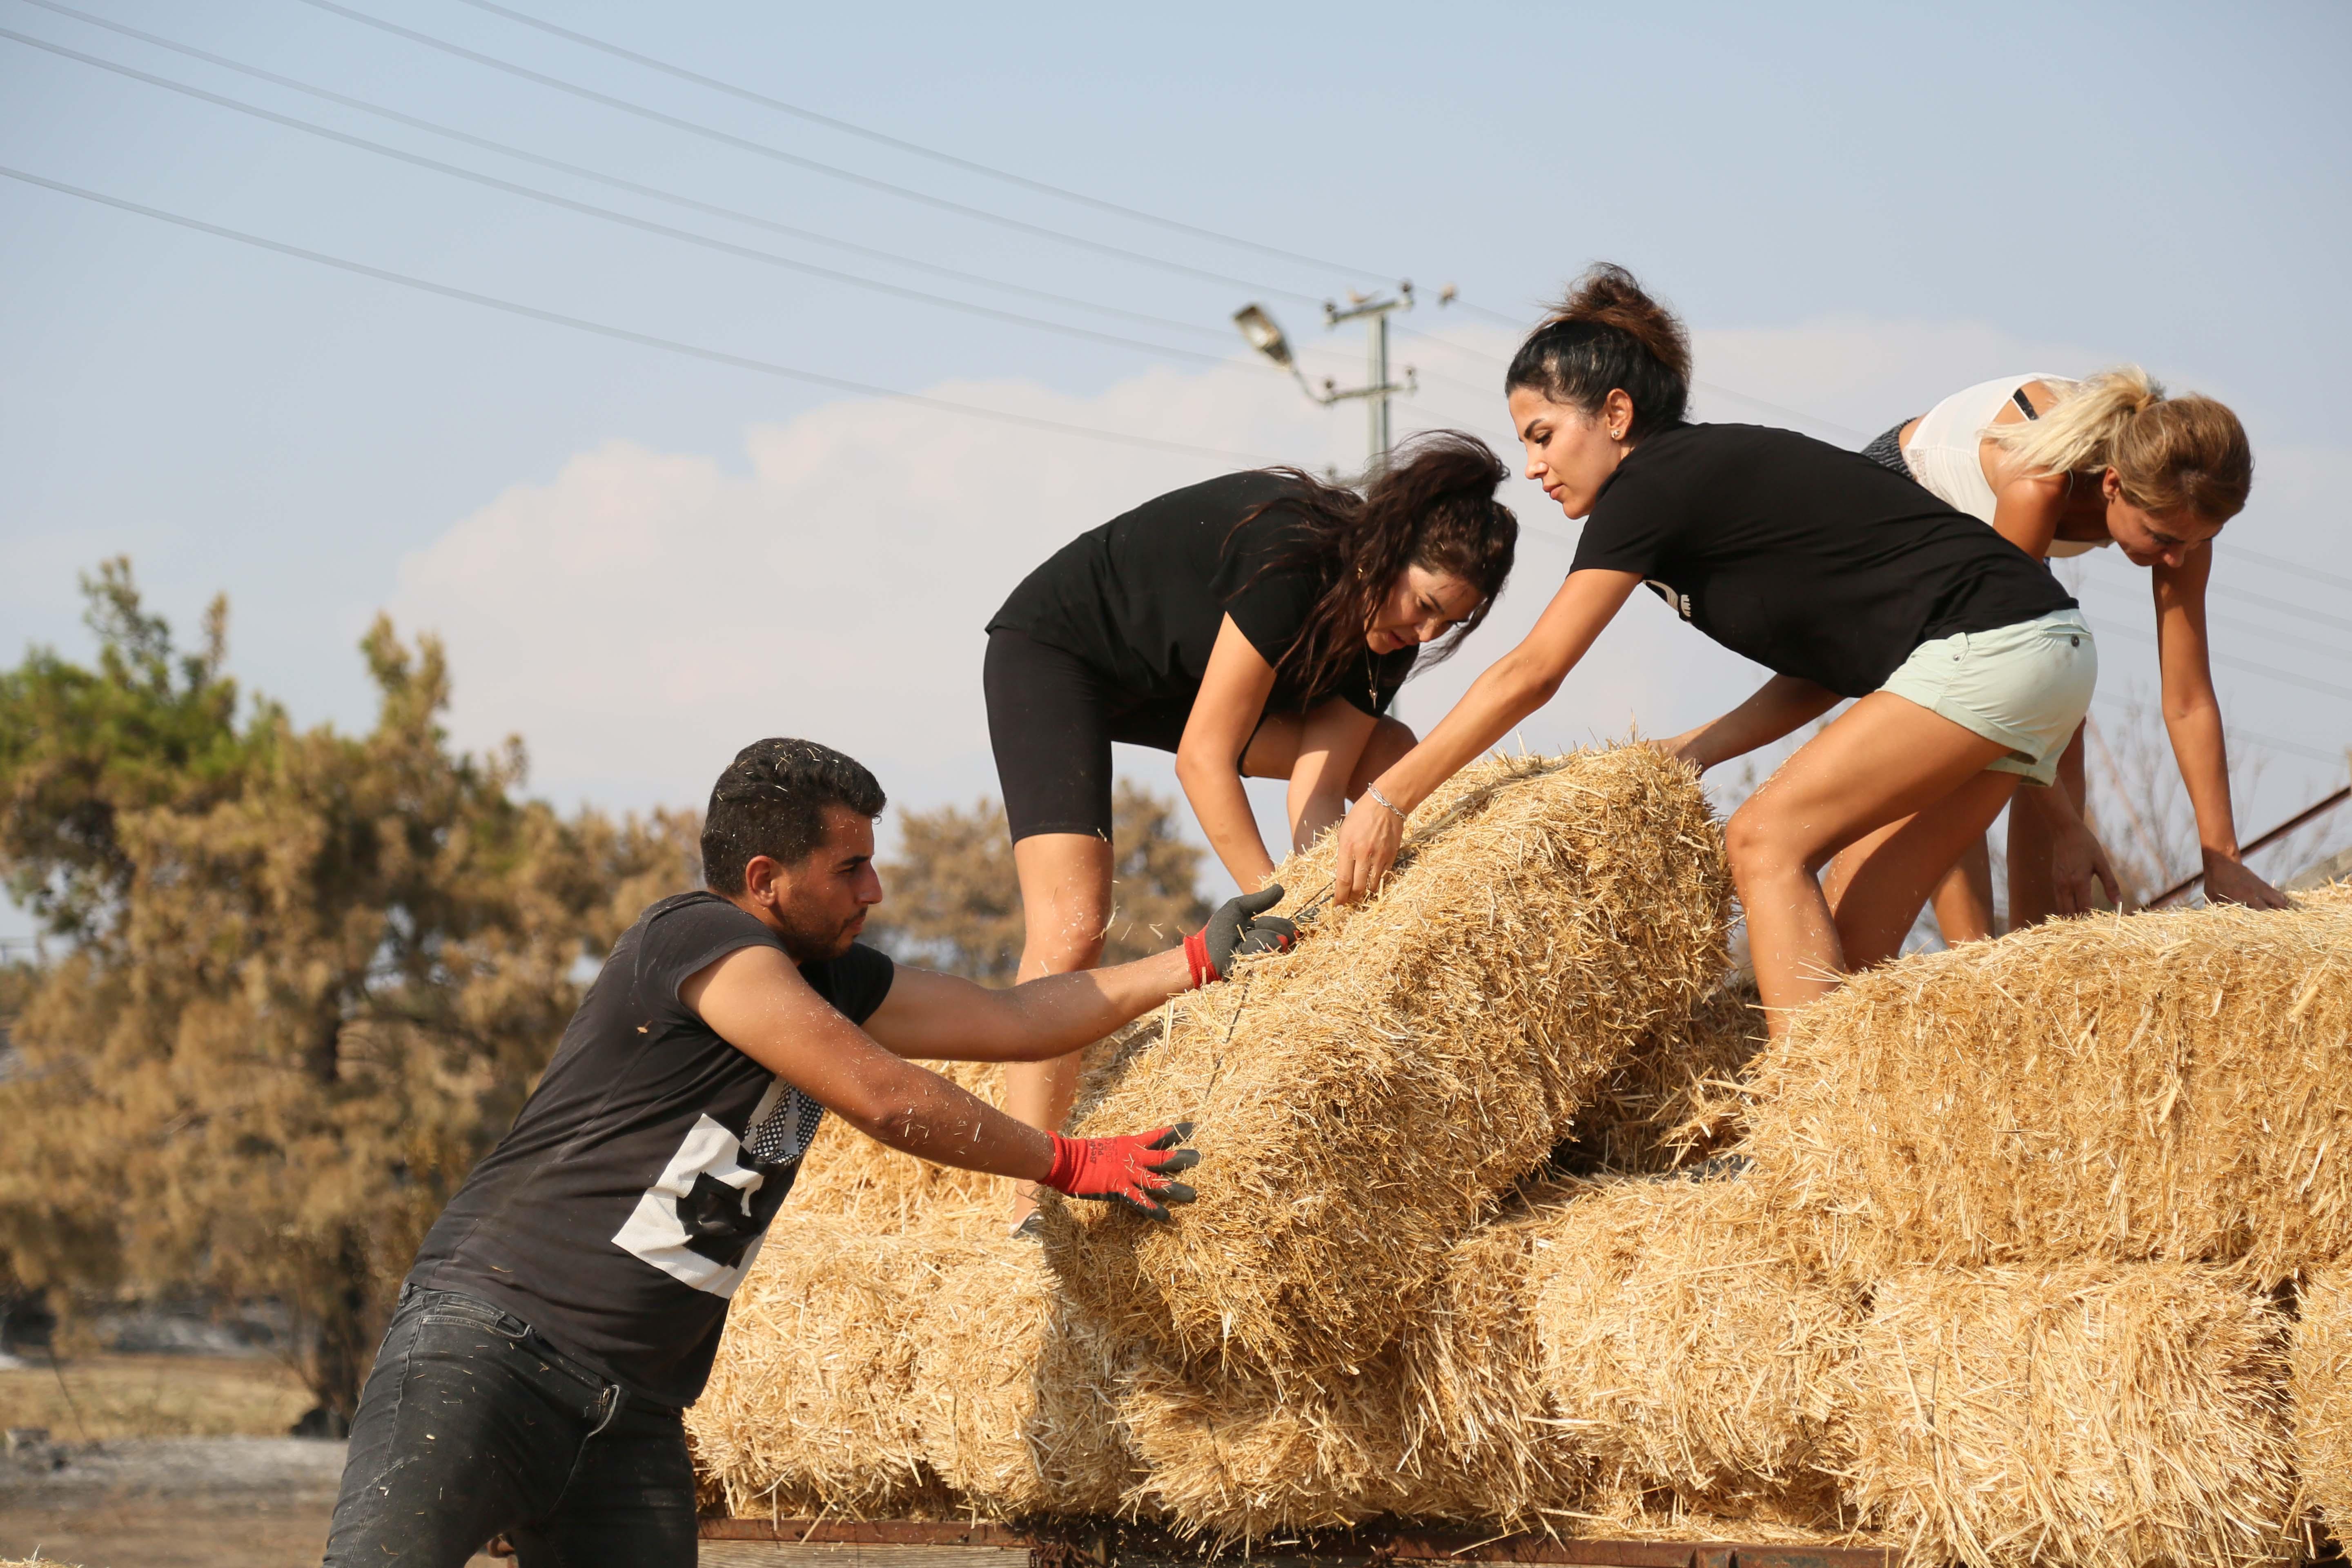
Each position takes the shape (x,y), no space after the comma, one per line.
(1259,328)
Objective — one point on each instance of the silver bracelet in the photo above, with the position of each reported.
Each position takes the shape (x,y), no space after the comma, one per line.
(1384,800)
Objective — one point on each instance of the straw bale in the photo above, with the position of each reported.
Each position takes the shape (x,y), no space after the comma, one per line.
(1361,1103)
(2320,1382)
(809,1408)
(1244,1453)
(1678,1099)
(2156,1086)
(1686,1347)
(2094,1413)
(848,1175)
(1015,1391)
(1478,1409)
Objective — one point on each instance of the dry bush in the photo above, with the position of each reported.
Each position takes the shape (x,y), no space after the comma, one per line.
(2157,1086)
(1015,1391)
(2093,1414)
(2320,1382)
(1685,1348)
(1362,1102)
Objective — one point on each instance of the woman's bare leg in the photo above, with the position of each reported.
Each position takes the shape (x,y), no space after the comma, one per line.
(1963,899)
(1066,903)
(1892,872)
(2033,894)
(1885,759)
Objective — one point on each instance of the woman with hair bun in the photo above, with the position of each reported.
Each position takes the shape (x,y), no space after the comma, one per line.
(1258,625)
(2060,467)
(1970,665)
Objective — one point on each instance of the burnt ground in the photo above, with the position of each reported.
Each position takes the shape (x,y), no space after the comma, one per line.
(171,1502)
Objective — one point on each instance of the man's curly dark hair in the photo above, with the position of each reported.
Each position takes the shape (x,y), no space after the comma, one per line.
(771,801)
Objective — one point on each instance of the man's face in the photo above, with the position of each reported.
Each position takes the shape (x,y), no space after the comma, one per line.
(818,906)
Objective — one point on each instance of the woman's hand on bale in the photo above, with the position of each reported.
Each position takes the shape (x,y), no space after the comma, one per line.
(2079,869)
(1370,838)
(1134,1171)
(1239,927)
(2227,881)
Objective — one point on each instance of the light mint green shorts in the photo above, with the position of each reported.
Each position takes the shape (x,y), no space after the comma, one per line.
(2026,686)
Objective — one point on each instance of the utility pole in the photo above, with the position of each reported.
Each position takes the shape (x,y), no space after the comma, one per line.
(1263,335)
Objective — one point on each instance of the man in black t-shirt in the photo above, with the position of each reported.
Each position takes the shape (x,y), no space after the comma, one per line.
(566,1306)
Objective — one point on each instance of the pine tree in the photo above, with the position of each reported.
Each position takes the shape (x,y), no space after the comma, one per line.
(309,977)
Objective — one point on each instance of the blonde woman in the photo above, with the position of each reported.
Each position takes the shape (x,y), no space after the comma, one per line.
(2060,467)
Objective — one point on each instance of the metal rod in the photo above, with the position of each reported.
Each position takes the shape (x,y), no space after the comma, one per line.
(2281,831)
(1377,377)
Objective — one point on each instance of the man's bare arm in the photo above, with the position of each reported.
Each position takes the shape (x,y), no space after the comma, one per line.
(938,1017)
(759,1004)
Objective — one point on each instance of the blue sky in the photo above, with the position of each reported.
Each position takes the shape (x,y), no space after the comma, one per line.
(640,560)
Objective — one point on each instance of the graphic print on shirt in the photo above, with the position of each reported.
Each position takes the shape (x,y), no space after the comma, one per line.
(702,1221)
(1680,603)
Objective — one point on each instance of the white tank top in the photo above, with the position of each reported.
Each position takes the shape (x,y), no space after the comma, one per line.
(1945,454)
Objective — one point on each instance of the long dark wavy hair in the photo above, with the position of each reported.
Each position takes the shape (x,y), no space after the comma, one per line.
(1432,506)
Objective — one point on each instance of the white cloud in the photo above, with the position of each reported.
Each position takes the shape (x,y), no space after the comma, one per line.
(641,615)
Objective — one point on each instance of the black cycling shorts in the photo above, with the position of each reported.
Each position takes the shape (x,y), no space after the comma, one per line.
(1051,718)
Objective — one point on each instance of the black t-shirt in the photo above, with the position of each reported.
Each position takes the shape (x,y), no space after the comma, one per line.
(1141,598)
(1810,560)
(626,1202)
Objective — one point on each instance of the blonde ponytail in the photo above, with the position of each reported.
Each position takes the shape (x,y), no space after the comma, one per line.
(2173,454)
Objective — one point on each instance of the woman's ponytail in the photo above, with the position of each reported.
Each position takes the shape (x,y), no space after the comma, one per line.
(1609,335)
(2173,454)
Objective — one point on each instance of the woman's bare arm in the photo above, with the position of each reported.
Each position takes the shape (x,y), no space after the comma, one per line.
(1778,708)
(1226,714)
(1513,686)
(2192,719)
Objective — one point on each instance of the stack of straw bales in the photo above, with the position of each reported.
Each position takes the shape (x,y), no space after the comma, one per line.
(1684,1347)
(811,1405)
(1362,1102)
(2163,1086)
(2008,1278)
(2320,1384)
(1016,1394)
(2093,1413)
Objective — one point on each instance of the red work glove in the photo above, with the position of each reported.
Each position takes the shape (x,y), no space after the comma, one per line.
(1238,927)
(1130,1170)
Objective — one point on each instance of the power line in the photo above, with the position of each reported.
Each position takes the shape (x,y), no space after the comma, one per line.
(2129,708)
(2335,650)
(655,193)
(2321,616)
(624,334)
(884,138)
(1719,390)
(2291,676)
(2282,563)
(609,214)
(764,150)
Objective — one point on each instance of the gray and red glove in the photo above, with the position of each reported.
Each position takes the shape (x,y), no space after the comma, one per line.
(1133,1171)
(1236,930)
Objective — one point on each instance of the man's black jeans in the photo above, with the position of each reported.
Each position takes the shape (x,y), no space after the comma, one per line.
(472,1426)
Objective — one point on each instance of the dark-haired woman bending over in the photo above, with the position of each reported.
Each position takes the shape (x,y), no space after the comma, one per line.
(1257,624)
(1970,662)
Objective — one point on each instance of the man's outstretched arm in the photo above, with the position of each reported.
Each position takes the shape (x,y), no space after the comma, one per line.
(759,1004)
(937,1018)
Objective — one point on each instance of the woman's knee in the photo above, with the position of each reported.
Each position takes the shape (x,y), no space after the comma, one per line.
(1390,740)
(1758,841)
